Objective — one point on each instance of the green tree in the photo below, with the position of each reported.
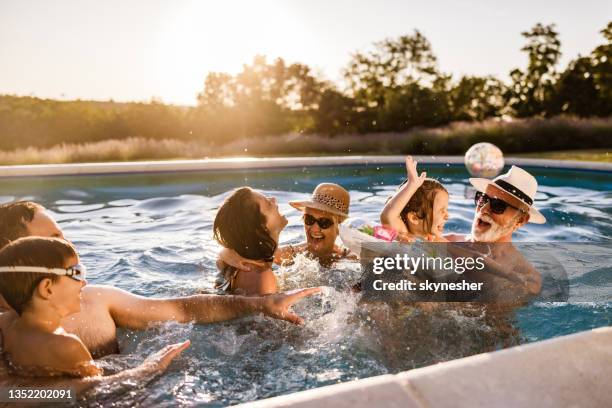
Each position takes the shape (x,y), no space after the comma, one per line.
(601,59)
(585,87)
(335,113)
(392,63)
(530,89)
(477,98)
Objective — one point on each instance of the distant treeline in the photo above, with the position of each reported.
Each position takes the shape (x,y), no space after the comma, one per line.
(518,136)
(395,86)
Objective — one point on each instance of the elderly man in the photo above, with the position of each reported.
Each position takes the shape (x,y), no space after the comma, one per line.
(104,308)
(503,205)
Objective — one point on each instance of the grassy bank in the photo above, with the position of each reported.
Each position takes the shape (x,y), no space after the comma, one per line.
(603,155)
(557,138)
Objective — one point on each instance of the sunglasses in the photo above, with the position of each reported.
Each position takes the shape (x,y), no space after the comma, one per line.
(324,223)
(77,272)
(497,205)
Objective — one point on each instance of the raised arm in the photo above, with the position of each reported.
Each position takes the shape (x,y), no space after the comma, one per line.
(390,215)
(137,312)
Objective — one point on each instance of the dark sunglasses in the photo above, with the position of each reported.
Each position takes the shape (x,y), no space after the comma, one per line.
(497,205)
(324,223)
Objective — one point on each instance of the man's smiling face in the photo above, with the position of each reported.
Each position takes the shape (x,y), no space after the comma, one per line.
(490,227)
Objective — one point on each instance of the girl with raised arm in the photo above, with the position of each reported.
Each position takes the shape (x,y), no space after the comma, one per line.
(419,208)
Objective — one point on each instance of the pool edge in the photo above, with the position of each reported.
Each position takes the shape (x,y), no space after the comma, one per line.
(116,168)
(560,372)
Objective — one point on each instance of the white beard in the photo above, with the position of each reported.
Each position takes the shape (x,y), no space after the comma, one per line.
(494,233)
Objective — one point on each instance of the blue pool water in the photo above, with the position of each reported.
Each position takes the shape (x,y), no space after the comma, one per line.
(151,234)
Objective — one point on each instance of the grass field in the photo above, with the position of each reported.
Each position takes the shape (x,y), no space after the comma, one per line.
(534,138)
(598,155)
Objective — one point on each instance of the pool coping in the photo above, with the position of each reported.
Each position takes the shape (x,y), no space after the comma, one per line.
(565,371)
(248,163)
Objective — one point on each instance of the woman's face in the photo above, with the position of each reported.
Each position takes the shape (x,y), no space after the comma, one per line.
(67,291)
(320,241)
(275,221)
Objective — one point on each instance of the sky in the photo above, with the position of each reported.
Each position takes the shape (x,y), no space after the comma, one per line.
(136,50)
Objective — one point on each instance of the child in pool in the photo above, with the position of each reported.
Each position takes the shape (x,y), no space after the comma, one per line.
(419,208)
(41,279)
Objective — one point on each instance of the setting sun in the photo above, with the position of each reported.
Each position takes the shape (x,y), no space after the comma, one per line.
(204,36)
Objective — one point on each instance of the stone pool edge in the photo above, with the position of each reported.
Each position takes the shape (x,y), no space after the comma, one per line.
(42,170)
(567,371)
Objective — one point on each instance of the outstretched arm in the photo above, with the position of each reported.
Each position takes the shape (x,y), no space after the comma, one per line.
(152,367)
(391,214)
(137,312)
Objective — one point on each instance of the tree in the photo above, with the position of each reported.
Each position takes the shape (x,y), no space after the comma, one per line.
(529,91)
(219,91)
(601,59)
(335,113)
(476,98)
(393,63)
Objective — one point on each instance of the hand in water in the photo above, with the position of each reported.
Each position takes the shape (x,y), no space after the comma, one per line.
(411,170)
(278,305)
(160,360)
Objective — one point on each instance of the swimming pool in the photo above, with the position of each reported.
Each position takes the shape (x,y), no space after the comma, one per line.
(151,234)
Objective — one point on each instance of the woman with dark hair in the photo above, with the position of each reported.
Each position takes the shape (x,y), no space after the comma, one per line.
(327,208)
(250,224)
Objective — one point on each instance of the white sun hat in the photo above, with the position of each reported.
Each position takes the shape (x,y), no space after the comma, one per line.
(519,184)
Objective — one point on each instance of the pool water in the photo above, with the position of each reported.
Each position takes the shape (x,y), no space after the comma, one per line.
(151,234)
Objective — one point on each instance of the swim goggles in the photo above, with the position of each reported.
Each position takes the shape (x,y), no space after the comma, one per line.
(77,272)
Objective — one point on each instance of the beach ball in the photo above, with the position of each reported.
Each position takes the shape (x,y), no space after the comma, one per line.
(484,160)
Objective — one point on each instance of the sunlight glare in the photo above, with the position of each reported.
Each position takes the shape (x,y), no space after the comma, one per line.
(221,36)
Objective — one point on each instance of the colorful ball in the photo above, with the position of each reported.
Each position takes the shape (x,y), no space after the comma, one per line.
(484,160)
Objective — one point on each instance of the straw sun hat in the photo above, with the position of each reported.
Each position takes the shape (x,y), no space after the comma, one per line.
(327,197)
(519,184)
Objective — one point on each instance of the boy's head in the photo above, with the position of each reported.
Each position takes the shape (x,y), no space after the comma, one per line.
(23,290)
(23,219)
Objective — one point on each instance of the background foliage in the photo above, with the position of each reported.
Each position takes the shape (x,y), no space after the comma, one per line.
(394,87)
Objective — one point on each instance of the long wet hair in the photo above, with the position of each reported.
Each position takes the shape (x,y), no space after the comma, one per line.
(240,225)
(421,203)
(17,287)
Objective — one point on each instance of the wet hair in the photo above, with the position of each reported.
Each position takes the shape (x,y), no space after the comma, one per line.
(17,287)
(421,203)
(14,220)
(240,225)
